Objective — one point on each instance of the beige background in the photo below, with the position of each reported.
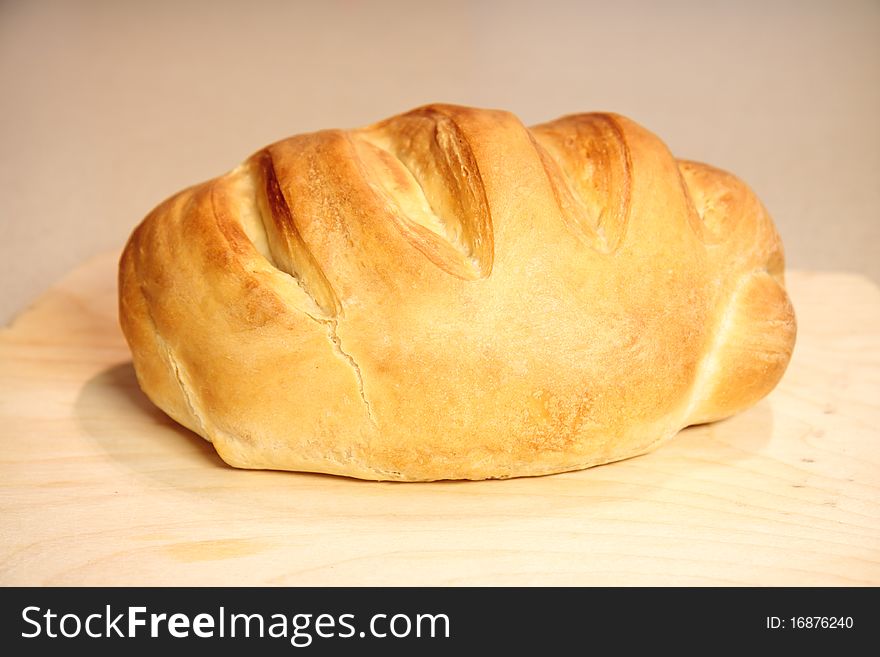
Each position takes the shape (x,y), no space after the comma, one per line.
(109,107)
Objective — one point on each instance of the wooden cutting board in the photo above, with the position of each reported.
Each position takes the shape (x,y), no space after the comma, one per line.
(98,487)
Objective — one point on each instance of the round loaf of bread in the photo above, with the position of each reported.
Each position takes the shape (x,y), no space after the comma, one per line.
(448,294)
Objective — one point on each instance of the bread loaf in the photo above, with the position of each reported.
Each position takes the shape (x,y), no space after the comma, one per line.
(448,294)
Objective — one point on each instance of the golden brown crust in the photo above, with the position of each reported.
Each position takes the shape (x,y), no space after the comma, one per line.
(448,295)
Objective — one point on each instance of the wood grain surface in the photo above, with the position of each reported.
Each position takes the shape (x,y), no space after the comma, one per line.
(98,487)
